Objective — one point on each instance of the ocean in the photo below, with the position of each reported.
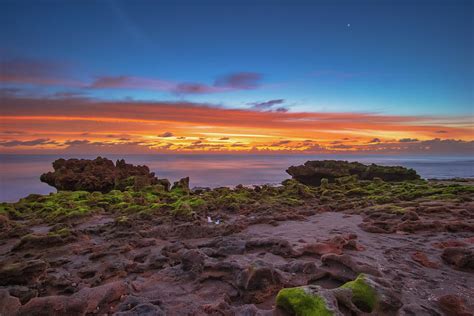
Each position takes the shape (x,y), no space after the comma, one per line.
(19,174)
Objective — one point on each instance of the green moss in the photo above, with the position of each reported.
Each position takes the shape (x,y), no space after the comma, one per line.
(357,192)
(300,303)
(187,206)
(363,296)
(324,183)
(63,232)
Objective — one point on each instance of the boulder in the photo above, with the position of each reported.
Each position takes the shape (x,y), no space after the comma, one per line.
(453,305)
(362,296)
(99,174)
(312,172)
(459,257)
(258,276)
(22,272)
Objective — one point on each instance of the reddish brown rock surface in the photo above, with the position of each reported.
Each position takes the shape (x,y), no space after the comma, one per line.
(99,174)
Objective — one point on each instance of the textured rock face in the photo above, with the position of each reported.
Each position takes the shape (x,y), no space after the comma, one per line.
(312,172)
(365,294)
(99,174)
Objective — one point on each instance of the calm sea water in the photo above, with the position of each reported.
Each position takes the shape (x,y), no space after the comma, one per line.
(19,174)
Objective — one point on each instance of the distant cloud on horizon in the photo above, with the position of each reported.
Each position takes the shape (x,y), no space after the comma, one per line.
(31,124)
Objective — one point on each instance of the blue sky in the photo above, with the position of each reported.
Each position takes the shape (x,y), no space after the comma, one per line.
(404,57)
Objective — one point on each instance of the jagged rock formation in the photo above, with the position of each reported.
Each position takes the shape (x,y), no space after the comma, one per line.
(99,174)
(312,172)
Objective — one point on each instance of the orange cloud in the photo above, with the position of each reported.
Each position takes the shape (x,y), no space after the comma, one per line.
(188,127)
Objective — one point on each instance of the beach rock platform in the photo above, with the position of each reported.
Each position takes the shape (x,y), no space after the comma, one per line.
(352,247)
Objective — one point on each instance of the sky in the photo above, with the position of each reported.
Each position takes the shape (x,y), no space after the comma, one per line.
(237,76)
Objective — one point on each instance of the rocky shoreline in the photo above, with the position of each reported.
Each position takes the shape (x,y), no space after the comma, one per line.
(338,239)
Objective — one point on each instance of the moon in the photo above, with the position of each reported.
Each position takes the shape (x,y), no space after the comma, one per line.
(348,25)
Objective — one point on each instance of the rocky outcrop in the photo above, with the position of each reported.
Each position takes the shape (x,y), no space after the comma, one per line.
(99,174)
(312,172)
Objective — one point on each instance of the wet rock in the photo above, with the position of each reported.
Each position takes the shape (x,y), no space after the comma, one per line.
(334,245)
(459,257)
(410,215)
(259,275)
(301,267)
(276,246)
(99,174)
(23,293)
(378,227)
(192,260)
(34,241)
(453,305)
(87,301)
(22,273)
(223,246)
(312,172)
(9,305)
(422,259)
(348,264)
(156,261)
(139,306)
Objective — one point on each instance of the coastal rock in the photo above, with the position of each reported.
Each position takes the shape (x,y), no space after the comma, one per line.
(9,305)
(312,172)
(453,305)
(423,259)
(99,174)
(86,301)
(192,260)
(459,257)
(335,245)
(258,276)
(364,295)
(182,185)
(22,272)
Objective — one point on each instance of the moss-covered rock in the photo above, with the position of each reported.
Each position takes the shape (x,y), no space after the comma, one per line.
(363,295)
(306,301)
(312,172)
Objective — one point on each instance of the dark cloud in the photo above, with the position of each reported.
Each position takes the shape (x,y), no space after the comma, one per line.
(342,146)
(240,81)
(69,95)
(282,142)
(32,71)
(194,88)
(237,81)
(166,134)
(281,109)
(224,138)
(8,132)
(441,132)
(76,142)
(375,140)
(407,140)
(34,142)
(266,104)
